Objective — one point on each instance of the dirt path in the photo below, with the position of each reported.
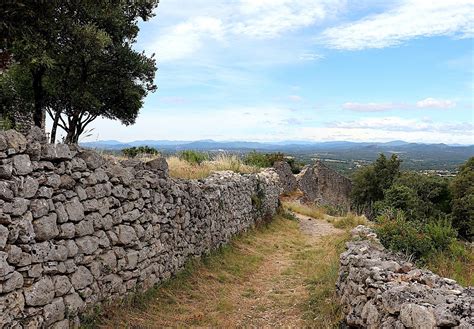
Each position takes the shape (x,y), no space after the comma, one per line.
(278,295)
(292,260)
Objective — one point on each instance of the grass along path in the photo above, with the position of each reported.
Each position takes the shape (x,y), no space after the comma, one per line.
(278,275)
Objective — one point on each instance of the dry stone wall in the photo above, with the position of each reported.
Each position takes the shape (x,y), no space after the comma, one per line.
(76,230)
(325,186)
(380,290)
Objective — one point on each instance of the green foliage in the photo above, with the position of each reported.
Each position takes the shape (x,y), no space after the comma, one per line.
(404,236)
(134,151)
(441,233)
(266,160)
(462,189)
(193,157)
(420,240)
(79,59)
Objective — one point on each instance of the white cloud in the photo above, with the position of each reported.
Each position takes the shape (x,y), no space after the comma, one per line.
(405,125)
(427,103)
(251,19)
(184,39)
(411,19)
(370,107)
(436,103)
(311,57)
(270,18)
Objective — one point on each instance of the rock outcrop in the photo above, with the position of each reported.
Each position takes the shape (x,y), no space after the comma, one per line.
(287,178)
(381,290)
(324,186)
(76,229)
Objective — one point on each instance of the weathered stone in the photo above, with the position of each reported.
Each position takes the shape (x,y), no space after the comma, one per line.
(6,170)
(52,152)
(84,227)
(28,187)
(46,227)
(6,190)
(158,165)
(62,285)
(3,142)
(40,293)
(17,207)
(92,159)
(417,316)
(3,237)
(11,306)
(54,311)
(325,186)
(126,235)
(81,278)
(15,141)
(75,210)
(74,304)
(87,244)
(5,268)
(15,281)
(39,208)
(22,164)
(287,179)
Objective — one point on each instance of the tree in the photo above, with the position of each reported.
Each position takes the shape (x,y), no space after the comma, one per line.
(87,66)
(462,188)
(369,182)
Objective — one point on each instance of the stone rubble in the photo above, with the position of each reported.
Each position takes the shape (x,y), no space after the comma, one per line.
(379,289)
(76,229)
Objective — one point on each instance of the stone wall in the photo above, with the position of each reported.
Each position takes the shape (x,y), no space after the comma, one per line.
(76,229)
(325,186)
(381,290)
(287,178)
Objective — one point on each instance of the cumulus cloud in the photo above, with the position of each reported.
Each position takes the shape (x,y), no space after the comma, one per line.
(435,103)
(410,19)
(404,125)
(184,39)
(427,103)
(252,19)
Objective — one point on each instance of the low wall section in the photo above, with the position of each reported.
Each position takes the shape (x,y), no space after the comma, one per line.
(380,290)
(76,230)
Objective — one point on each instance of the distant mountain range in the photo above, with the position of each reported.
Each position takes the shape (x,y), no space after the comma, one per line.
(211,145)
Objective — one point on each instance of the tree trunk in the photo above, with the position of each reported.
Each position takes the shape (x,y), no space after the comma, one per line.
(38,93)
(55,127)
(71,132)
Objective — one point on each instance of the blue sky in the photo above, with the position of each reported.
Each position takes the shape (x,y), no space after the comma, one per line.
(270,70)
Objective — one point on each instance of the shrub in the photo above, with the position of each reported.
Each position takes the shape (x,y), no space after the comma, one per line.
(257,159)
(441,233)
(134,151)
(398,234)
(462,188)
(193,157)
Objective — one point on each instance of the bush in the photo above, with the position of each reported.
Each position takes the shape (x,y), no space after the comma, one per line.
(134,151)
(462,188)
(441,233)
(193,157)
(398,234)
(266,160)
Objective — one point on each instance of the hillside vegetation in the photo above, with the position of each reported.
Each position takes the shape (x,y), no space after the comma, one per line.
(428,218)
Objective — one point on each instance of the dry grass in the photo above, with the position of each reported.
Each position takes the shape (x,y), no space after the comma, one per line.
(458,264)
(265,277)
(182,169)
(347,222)
(304,209)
